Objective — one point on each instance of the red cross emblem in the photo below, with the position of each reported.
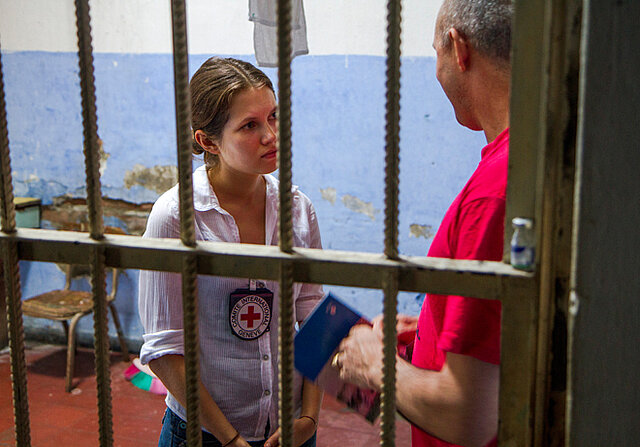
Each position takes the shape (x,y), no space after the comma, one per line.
(250,316)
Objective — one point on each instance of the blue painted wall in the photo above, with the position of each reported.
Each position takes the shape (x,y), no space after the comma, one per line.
(338,141)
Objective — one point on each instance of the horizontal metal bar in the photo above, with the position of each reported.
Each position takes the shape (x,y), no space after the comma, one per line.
(481,279)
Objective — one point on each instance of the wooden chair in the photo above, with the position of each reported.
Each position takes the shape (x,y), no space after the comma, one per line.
(66,304)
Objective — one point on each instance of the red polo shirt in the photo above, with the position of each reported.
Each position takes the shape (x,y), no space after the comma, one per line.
(472,228)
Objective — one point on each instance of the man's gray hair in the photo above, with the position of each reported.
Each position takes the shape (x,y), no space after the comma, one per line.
(486,24)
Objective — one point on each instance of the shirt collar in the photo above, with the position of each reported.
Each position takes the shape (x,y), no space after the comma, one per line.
(497,143)
(205,199)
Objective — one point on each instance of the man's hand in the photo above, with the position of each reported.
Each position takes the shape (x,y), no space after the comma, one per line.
(303,429)
(359,357)
(404,323)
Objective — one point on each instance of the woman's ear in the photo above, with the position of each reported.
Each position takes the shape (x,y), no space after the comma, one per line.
(206,142)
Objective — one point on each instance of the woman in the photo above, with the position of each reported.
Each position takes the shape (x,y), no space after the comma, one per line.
(234,124)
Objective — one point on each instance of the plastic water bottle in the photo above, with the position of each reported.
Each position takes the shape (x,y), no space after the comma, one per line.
(522,249)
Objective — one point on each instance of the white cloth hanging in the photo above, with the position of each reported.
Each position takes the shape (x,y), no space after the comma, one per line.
(265,40)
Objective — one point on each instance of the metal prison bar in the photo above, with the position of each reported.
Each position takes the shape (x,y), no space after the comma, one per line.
(391,272)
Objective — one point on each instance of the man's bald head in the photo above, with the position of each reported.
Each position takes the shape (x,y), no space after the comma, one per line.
(486,24)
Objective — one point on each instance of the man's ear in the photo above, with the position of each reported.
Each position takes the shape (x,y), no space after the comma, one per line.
(205,142)
(461,49)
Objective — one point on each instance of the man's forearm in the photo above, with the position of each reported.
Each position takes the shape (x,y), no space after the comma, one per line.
(458,404)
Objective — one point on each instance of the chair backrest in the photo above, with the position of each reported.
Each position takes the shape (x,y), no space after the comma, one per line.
(75,271)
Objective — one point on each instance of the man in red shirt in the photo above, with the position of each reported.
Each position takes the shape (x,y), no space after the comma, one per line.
(450,390)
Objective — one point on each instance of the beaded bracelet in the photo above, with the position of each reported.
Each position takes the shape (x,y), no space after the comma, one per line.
(315,424)
(232,439)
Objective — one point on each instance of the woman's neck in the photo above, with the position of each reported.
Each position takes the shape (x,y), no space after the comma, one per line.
(236,188)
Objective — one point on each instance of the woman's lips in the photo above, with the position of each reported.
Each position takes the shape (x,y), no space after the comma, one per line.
(271,154)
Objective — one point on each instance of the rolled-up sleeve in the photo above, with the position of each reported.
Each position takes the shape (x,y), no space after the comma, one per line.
(160,293)
(310,294)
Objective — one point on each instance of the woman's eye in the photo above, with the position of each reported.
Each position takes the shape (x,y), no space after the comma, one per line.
(274,116)
(249,125)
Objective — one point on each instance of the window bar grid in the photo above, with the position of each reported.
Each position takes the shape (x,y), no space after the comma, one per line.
(392,173)
(187,227)
(285,333)
(12,281)
(96,228)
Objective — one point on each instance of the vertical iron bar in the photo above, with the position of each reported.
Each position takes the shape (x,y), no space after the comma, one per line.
(390,336)
(392,116)
(392,172)
(96,227)
(284,123)
(12,285)
(285,328)
(187,227)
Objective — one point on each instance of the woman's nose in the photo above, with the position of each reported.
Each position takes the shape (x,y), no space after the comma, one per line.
(270,134)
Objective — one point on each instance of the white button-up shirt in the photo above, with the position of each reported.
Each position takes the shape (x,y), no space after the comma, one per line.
(241,375)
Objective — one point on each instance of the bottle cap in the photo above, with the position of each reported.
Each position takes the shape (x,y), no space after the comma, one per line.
(522,222)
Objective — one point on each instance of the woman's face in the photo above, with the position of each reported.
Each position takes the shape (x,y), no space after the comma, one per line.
(249,138)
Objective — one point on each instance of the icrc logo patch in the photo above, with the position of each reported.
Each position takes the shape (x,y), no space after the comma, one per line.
(250,314)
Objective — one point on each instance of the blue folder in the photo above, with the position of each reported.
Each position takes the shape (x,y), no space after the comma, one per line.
(321,334)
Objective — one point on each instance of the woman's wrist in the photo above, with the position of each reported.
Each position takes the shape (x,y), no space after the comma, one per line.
(232,440)
(310,418)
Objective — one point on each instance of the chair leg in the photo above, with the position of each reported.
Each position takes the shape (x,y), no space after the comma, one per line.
(123,343)
(71,352)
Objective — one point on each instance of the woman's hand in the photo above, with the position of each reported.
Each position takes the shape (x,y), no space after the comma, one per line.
(240,442)
(303,429)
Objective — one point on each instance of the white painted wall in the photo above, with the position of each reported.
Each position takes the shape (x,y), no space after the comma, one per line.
(215,26)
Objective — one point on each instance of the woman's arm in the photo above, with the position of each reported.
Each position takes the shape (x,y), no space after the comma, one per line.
(306,425)
(170,369)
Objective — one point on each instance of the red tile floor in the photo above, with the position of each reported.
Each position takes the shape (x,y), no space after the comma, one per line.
(71,419)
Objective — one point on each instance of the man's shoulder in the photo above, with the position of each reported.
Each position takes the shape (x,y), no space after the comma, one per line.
(490,178)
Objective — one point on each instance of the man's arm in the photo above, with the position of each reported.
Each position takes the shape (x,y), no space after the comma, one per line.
(458,404)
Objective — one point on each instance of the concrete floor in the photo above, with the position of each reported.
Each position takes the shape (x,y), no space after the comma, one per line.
(71,419)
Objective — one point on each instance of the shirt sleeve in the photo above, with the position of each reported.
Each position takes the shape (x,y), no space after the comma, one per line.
(471,326)
(160,294)
(310,294)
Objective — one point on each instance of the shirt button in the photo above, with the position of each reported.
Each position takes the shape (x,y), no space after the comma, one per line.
(267,393)
(265,357)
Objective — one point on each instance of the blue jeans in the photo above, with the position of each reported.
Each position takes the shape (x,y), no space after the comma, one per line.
(174,434)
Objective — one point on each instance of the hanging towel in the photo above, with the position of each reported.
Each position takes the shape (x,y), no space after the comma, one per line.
(265,40)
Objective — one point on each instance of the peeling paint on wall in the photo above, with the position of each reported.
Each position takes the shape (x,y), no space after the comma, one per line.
(156,178)
(329,194)
(417,230)
(359,206)
(70,214)
(104,156)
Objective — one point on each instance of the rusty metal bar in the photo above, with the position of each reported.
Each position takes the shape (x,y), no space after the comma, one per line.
(392,179)
(12,284)
(96,227)
(482,279)
(187,226)
(285,222)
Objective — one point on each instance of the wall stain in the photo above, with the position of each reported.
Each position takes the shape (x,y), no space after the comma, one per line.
(359,206)
(70,214)
(329,194)
(156,178)
(417,230)
(104,156)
